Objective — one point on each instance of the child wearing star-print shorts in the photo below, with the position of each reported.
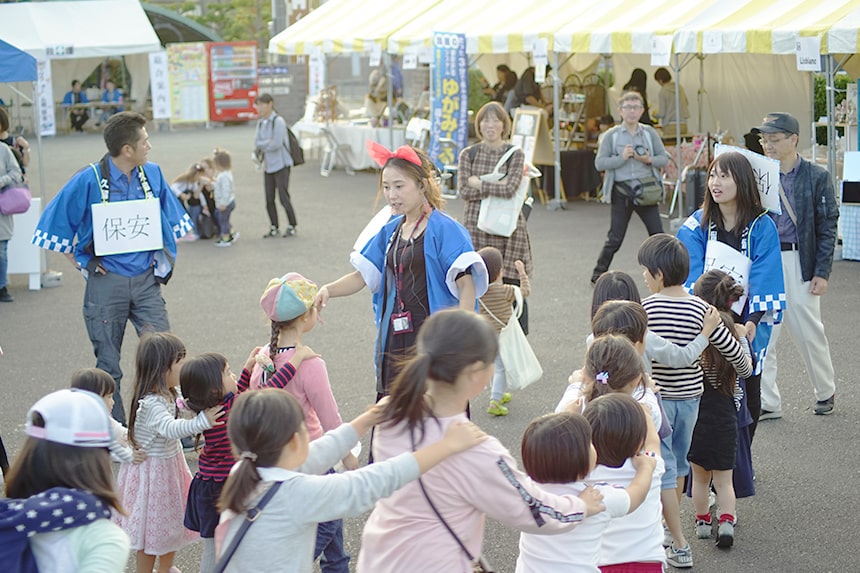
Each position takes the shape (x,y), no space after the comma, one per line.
(61,492)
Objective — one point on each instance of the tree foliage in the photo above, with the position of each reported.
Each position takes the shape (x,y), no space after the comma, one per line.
(233,20)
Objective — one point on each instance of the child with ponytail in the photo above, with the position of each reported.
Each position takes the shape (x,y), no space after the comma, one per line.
(438,523)
(270,438)
(207,381)
(288,303)
(713,449)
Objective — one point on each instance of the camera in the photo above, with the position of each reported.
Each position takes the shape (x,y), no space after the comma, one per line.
(640,150)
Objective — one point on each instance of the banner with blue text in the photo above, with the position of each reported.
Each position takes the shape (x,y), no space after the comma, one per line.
(450,110)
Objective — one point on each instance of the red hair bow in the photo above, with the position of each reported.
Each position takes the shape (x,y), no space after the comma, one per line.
(381,154)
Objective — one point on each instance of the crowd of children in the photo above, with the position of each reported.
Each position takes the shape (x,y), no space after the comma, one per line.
(657,409)
(206,191)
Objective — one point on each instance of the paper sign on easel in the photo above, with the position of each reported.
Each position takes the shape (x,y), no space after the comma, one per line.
(808,49)
(410,59)
(661,50)
(766,171)
(539,56)
(127,227)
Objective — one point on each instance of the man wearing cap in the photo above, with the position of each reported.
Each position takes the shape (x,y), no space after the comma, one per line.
(807,235)
(117,221)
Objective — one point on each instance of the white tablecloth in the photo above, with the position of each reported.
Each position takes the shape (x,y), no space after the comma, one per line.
(356,137)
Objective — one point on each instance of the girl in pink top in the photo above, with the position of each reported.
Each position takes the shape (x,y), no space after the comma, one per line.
(288,302)
(404,531)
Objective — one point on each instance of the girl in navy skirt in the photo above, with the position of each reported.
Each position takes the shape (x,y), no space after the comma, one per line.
(207,381)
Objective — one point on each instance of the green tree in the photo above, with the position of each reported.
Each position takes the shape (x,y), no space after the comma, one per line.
(233,20)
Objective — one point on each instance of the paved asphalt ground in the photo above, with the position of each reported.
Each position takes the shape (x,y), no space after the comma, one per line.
(804,517)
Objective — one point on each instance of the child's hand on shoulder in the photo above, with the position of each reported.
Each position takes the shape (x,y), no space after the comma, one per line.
(372,416)
(576,377)
(712,321)
(521,268)
(644,461)
(576,406)
(593,501)
(252,358)
(461,436)
(302,353)
(212,414)
(350,462)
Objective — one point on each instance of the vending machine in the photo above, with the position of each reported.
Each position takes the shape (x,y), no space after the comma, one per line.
(232,81)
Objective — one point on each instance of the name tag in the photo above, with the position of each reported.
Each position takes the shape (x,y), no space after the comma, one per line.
(721,256)
(127,227)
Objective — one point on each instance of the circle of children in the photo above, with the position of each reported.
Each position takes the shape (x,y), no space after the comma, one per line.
(602,480)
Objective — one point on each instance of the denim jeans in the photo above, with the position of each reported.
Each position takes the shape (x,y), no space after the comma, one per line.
(223,218)
(682,415)
(329,545)
(4,245)
(194,212)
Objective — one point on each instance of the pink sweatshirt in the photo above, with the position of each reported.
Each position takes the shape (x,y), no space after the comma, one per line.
(310,386)
(403,534)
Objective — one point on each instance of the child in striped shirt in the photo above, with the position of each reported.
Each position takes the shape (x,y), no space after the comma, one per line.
(496,306)
(207,381)
(678,317)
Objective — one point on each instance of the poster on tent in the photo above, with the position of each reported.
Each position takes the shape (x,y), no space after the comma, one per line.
(450,106)
(316,72)
(45,88)
(766,171)
(159,85)
(189,93)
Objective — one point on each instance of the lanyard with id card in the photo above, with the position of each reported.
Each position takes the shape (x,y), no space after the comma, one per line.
(401,320)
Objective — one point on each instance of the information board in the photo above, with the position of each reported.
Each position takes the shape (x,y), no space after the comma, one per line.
(189,96)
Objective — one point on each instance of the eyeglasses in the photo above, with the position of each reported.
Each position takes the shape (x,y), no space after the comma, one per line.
(631,107)
(765,141)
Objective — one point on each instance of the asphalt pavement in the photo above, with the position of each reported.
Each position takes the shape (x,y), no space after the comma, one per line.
(803,518)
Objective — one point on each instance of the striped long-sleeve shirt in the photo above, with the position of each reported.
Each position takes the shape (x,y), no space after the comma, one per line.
(216,459)
(680,320)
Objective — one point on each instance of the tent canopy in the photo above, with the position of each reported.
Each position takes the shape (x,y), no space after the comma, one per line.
(761,26)
(342,26)
(90,28)
(490,29)
(16,65)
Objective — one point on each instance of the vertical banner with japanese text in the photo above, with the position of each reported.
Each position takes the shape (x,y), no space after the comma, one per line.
(159,85)
(46,122)
(450,107)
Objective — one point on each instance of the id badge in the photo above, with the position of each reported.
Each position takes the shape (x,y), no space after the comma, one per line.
(401,322)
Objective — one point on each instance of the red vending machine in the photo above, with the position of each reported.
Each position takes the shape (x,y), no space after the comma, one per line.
(232,80)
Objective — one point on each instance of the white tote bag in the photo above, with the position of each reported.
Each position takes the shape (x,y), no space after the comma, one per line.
(499,216)
(522,367)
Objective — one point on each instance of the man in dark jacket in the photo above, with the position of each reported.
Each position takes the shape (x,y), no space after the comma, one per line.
(807,235)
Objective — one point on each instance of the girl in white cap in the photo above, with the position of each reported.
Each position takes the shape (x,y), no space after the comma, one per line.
(63,491)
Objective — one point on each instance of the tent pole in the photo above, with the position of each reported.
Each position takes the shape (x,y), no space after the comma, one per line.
(37,127)
(389,72)
(556,95)
(830,71)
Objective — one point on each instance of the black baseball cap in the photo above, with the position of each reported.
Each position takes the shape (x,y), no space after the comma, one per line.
(778,122)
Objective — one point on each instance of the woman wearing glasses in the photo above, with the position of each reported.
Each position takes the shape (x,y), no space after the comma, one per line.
(631,155)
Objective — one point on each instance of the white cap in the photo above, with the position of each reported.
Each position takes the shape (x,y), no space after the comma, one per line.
(72,417)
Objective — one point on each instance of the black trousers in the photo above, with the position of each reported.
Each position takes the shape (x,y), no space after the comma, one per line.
(280,181)
(78,119)
(754,402)
(622,209)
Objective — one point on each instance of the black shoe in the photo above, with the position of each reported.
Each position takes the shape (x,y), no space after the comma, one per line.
(824,407)
(273,232)
(5,296)
(291,230)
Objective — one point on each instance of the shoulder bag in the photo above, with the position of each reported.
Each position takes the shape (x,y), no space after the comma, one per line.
(522,367)
(498,216)
(250,517)
(15,199)
(479,564)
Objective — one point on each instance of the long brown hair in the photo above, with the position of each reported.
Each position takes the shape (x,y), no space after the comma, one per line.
(719,289)
(448,342)
(157,352)
(41,465)
(191,174)
(261,423)
(748,199)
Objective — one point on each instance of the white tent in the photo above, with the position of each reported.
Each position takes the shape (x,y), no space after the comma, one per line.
(77,36)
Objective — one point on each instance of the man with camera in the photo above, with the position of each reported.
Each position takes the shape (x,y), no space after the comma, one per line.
(631,156)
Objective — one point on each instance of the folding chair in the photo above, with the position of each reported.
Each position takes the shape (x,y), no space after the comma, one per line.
(334,151)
